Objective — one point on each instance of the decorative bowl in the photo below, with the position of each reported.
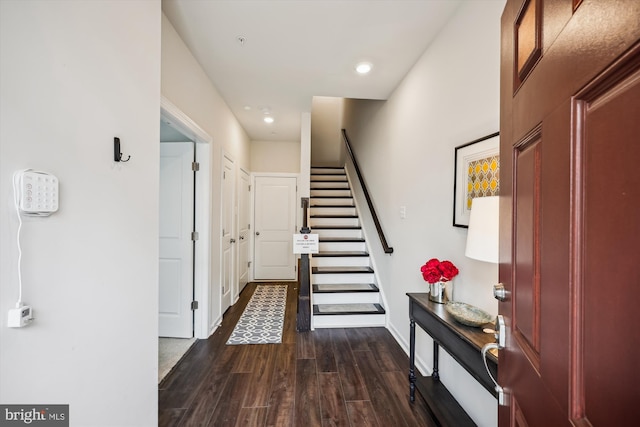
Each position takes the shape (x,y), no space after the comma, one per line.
(468,314)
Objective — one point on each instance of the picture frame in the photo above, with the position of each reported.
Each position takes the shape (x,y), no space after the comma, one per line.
(477,174)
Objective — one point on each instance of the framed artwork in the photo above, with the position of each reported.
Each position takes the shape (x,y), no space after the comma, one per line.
(477,174)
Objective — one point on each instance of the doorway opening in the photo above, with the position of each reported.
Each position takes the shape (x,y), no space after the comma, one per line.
(178,125)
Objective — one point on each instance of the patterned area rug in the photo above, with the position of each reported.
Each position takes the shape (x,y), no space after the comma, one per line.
(262,320)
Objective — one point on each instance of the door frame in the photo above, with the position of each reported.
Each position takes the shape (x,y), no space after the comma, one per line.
(298,214)
(202,257)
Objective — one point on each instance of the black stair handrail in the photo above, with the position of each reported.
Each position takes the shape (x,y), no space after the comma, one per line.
(387,249)
(303,319)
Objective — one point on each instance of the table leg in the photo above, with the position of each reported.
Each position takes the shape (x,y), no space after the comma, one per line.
(436,374)
(412,361)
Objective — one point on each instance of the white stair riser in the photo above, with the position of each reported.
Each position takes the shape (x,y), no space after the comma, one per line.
(331,193)
(333,210)
(336,222)
(315,185)
(346,298)
(332,202)
(319,169)
(348,321)
(317,279)
(328,177)
(335,261)
(341,246)
(352,233)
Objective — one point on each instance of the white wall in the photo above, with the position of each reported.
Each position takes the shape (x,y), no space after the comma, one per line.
(73,75)
(186,85)
(326,135)
(405,147)
(275,156)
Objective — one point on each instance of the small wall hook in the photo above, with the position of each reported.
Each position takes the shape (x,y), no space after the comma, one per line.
(117,155)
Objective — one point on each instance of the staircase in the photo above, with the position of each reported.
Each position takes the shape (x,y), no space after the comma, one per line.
(344,291)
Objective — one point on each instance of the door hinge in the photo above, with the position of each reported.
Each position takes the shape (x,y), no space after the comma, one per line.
(249,187)
(248,226)
(194,305)
(195,166)
(248,264)
(224,175)
(194,236)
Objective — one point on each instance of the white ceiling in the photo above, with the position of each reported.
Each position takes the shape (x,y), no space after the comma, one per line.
(297,49)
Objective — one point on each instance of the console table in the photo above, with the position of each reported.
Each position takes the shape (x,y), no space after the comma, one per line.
(463,343)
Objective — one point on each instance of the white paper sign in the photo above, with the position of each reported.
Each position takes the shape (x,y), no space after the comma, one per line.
(305,243)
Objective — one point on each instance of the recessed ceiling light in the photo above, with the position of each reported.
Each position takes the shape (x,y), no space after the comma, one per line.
(364,67)
(247,107)
(268,119)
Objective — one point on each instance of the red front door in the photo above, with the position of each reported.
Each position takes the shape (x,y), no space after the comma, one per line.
(570,212)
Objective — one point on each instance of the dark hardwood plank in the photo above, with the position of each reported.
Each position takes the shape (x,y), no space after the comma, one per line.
(228,410)
(307,403)
(325,359)
(359,338)
(416,413)
(245,358)
(251,417)
(361,414)
(170,417)
(333,408)
(306,347)
(210,389)
(289,332)
(388,411)
(352,384)
(261,377)
(281,401)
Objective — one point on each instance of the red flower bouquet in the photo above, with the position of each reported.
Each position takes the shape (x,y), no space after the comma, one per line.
(438,271)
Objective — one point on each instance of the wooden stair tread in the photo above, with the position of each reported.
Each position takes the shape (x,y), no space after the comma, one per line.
(341,254)
(333,206)
(342,270)
(331,188)
(336,227)
(347,309)
(332,197)
(334,216)
(333,288)
(342,239)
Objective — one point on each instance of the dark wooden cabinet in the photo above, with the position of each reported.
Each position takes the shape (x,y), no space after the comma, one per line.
(462,342)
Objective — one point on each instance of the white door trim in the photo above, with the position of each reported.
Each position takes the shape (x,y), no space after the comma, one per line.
(202,272)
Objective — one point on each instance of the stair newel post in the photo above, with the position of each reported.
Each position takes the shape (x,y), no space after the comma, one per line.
(304,279)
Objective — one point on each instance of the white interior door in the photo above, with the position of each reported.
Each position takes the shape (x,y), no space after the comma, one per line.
(275,223)
(244,225)
(228,231)
(176,246)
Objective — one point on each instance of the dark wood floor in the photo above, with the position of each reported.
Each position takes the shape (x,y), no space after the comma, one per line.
(328,377)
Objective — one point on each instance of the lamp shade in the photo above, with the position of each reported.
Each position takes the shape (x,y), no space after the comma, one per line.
(482,236)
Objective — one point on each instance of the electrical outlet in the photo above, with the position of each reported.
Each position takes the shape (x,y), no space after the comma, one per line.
(20,317)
